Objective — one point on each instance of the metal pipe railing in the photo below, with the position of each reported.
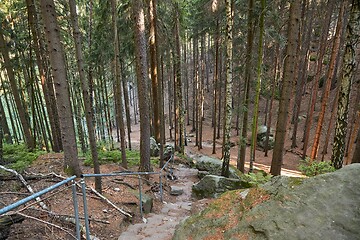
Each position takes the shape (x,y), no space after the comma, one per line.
(171,159)
(35,195)
(83,188)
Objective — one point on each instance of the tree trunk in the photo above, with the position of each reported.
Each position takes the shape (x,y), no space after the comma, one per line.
(303,64)
(323,43)
(119,95)
(228,99)
(127,105)
(258,88)
(215,84)
(23,115)
(248,64)
(356,156)
(281,128)
(142,82)
(5,126)
(348,70)
(330,74)
(85,93)
(154,67)
(57,60)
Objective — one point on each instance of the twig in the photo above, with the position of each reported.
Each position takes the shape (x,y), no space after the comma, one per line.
(109,202)
(15,193)
(67,218)
(47,223)
(123,183)
(29,188)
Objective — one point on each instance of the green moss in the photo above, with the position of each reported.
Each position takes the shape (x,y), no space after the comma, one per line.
(18,157)
(295,181)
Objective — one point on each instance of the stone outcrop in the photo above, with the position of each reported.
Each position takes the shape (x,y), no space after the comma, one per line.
(212,186)
(213,166)
(323,207)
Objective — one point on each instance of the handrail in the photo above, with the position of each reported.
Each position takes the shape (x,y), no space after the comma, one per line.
(35,195)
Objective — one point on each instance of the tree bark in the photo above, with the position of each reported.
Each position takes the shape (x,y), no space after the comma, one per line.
(57,60)
(142,82)
(330,74)
(323,44)
(23,115)
(248,64)
(348,70)
(228,97)
(85,93)
(281,126)
(258,88)
(119,95)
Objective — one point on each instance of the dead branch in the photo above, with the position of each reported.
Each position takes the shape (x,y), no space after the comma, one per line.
(67,218)
(47,223)
(123,183)
(28,187)
(110,203)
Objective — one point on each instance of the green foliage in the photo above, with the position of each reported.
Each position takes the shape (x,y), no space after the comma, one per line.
(255,179)
(107,156)
(18,156)
(314,168)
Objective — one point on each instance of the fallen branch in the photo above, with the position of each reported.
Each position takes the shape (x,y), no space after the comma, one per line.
(28,187)
(47,223)
(123,183)
(110,203)
(67,218)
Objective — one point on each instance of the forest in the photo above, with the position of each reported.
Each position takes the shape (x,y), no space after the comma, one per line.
(76,74)
(267,84)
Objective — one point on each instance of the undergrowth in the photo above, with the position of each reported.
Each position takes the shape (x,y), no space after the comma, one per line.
(18,157)
(114,156)
(313,168)
(255,179)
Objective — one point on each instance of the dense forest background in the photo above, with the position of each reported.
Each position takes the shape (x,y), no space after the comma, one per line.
(75,74)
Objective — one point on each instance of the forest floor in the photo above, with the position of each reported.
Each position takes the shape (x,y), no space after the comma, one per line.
(105,221)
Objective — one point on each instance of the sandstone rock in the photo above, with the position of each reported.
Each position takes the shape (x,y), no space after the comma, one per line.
(176,191)
(323,207)
(213,166)
(212,186)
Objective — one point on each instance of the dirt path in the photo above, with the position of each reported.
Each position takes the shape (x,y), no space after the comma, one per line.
(161,226)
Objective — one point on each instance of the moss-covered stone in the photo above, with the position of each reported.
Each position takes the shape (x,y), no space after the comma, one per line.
(322,207)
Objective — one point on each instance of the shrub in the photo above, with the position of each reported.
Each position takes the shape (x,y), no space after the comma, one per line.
(114,156)
(313,168)
(18,156)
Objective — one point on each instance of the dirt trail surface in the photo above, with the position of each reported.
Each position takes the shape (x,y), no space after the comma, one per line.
(161,226)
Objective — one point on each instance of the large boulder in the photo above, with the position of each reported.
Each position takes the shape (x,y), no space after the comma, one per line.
(154,148)
(212,186)
(323,207)
(213,166)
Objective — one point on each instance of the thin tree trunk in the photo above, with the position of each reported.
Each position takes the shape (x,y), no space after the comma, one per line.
(330,74)
(127,105)
(323,43)
(119,107)
(85,93)
(5,127)
(228,100)
(258,88)
(248,64)
(23,115)
(216,84)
